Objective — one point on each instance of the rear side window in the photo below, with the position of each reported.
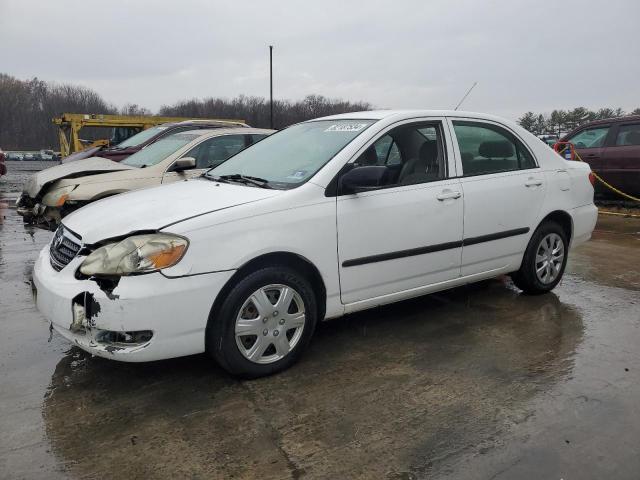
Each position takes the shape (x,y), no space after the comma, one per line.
(486,148)
(628,135)
(590,138)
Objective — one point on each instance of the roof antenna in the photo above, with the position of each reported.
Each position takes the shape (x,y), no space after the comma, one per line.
(465,96)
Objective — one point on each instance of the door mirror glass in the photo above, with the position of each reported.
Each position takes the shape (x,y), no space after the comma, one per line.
(184,163)
(360,179)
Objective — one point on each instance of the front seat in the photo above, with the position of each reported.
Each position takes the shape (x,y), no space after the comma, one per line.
(422,169)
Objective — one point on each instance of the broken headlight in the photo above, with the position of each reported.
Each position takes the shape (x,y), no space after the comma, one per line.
(135,254)
(59,196)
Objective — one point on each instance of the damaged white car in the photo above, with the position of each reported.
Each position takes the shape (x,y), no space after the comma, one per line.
(51,194)
(324,218)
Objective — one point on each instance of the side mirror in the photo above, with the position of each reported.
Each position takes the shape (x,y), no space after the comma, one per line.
(184,163)
(361,179)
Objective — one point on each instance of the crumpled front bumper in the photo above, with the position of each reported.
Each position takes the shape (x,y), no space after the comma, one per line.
(175,310)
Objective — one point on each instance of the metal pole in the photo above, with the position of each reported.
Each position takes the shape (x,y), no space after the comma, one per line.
(271,83)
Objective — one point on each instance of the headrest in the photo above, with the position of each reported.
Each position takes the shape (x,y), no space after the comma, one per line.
(429,150)
(496,149)
(633,138)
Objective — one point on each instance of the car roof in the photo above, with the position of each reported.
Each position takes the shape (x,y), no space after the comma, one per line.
(406,114)
(215,132)
(209,122)
(625,118)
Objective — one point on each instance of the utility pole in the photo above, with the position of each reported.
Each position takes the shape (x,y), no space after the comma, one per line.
(271,83)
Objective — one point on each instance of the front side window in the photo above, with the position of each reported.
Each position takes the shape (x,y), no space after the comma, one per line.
(628,135)
(486,148)
(412,153)
(214,151)
(590,138)
(158,151)
(289,158)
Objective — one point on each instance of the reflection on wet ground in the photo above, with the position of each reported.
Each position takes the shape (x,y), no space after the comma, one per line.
(478,382)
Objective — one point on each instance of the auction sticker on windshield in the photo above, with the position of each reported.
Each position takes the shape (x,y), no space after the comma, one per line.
(347,127)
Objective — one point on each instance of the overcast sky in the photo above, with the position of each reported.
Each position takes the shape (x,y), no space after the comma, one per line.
(536,55)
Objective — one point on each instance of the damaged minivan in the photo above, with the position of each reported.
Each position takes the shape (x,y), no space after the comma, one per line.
(323,218)
(51,194)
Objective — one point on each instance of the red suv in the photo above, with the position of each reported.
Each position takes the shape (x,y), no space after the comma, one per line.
(612,148)
(140,140)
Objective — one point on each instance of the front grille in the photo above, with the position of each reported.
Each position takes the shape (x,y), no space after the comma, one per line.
(64,247)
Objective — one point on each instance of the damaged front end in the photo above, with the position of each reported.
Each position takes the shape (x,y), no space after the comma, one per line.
(34,211)
(85,308)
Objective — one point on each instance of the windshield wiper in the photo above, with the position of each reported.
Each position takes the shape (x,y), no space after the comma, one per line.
(246,179)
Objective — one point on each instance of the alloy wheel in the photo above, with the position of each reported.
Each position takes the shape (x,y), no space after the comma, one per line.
(549,258)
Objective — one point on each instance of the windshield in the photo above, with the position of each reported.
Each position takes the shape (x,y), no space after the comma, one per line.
(141,137)
(291,157)
(158,151)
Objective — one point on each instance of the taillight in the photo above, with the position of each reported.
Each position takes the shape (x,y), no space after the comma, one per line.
(592,178)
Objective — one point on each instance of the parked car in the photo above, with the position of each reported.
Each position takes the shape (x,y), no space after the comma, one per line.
(612,148)
(51,194)
(324,218)
(28,156)
(3,166)
(14,156)
(146,137)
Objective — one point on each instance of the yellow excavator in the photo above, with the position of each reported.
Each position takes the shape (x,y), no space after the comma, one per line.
(122,127)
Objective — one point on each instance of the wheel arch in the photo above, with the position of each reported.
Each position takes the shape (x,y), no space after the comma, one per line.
(299,263)
(563,219)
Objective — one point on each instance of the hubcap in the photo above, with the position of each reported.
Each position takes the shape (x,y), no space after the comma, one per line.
(549,258)
(270,323)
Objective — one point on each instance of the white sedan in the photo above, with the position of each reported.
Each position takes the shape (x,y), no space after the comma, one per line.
(324,218)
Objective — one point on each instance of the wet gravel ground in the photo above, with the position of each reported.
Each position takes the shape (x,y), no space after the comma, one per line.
(478,382)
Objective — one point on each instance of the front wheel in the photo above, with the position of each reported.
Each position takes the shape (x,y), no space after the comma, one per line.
(544,260)
(264,323)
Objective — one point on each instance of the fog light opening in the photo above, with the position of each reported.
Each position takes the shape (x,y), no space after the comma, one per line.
(128,339)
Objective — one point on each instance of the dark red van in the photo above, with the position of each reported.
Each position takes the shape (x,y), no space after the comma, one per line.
(612,148)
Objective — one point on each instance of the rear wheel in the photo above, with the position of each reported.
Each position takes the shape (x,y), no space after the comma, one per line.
(264,323)
(544,260)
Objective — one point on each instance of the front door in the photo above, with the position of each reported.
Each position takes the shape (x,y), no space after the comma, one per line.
(210,153)
(406,234)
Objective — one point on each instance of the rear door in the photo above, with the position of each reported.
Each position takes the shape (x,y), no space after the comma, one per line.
(503,191)
(620,164)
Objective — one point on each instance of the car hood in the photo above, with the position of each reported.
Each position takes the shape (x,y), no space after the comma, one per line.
(158,207)
(81,168)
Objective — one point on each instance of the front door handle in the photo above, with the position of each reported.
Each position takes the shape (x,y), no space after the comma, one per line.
(448,195)
(533,182)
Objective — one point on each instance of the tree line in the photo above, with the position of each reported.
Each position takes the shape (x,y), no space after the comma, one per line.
(27,107)
(559,122)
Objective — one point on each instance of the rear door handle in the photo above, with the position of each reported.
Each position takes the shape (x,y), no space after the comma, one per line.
(448,195)
(533,182)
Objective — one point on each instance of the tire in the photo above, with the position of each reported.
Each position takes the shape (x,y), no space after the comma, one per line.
(539,256)
(248,335)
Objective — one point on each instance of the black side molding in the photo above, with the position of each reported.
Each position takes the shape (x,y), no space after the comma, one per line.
(434,248)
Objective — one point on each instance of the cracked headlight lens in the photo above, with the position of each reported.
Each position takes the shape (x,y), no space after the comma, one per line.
(136,254)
